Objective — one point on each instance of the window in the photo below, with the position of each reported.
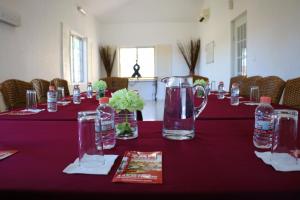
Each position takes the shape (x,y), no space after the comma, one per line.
(240,45)
(144,57)
(78,58)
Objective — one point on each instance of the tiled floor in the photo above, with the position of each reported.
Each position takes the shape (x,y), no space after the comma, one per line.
(153,110)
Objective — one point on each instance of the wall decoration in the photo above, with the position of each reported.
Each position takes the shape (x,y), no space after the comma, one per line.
(209,49)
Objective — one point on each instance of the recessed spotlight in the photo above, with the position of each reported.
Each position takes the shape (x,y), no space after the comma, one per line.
(81,10)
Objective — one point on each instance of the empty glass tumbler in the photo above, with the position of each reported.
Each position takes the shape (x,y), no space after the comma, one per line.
(90,142)
(254,94)
(60,93)
(31,99)
(285,140)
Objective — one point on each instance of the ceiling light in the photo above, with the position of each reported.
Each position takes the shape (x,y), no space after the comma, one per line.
(81,10)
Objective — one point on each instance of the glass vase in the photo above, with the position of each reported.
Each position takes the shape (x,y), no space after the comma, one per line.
(99,94)
(126,125)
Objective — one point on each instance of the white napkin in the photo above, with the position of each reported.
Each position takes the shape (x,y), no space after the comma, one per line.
(251,104)
(63,103)
(33,110)
(280,161)
(92,165)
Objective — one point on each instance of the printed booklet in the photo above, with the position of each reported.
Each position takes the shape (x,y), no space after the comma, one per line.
(140,167)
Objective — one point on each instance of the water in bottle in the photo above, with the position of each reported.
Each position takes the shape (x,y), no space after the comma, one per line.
(221,92)
(262,137)
(52,99)
(105,124)
(235,93)
(76,95)
(89,91)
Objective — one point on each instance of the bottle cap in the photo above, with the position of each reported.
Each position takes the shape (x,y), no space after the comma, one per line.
(235,85)
(51,87)
(264,99)
(103,100)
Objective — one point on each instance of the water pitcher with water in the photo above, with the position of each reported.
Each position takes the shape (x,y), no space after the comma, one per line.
(180,112)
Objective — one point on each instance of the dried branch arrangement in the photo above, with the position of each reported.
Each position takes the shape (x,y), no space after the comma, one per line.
(108,56)
(190,52)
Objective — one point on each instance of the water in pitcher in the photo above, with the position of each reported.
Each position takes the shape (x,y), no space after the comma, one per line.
(179,113)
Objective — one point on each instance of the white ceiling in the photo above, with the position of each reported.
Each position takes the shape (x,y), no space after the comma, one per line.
(140,11)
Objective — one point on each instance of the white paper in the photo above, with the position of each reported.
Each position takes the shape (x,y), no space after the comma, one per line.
(91,167)
(251,104)
(33,110)
(280,161)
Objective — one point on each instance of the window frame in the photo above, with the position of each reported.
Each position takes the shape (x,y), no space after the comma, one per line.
(137,47)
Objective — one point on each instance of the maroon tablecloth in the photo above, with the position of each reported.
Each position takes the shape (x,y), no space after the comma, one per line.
(218,164)
(221,109)
(64,113)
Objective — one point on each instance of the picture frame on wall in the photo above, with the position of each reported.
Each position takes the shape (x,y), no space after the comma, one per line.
(209,49)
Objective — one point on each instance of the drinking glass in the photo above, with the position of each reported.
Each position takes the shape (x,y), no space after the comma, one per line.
(60,93)
(284,139)
(254,94)
(31,101)
(213,86)
(90,142)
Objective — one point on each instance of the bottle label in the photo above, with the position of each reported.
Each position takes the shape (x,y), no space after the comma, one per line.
(263,127)
(51,99)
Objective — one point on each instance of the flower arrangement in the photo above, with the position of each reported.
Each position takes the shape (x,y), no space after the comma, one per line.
(99,85)
(125,102)
(202,83)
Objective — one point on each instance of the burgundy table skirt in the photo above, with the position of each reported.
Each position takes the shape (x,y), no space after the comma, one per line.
(218,164)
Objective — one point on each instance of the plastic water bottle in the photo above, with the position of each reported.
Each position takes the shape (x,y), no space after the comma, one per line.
(262,137)
(235,93)
(105,124)
(76,95)
(89,91)
(52,99)
(207,88)
(221,91)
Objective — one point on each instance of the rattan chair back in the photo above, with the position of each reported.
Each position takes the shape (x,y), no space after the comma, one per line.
(57,82)
(271,86)
(247,83)
(14,93)
(116,83)
(291,96)
(237,79)
(41,87)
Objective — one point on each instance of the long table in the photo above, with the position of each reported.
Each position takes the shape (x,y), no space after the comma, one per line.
(218,164)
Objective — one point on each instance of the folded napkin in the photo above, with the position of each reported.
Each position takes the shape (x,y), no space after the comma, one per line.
(280,161)
(63,103)
(92,165)
(32,110)
(251,104)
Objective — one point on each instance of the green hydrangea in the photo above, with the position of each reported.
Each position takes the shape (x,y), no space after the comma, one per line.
(126,100)
(99,85)
(200,82)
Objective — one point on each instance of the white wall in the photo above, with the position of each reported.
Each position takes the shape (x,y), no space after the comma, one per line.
(33,50)
(150,34)
(273,38)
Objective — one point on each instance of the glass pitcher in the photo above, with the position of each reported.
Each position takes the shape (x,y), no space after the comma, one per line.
(179,112)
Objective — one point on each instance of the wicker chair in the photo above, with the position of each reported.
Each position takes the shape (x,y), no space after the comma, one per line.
(116,83)
(291,96)
(196,77)
(14,93)
(237,79)
(271,86)
(247,83)
(57,82)
(41,87)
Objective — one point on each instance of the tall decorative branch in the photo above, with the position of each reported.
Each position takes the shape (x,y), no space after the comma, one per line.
(108,56)
(190,52)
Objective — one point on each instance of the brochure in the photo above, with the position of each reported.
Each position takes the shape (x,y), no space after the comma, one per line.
(140,167)
(6,153)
